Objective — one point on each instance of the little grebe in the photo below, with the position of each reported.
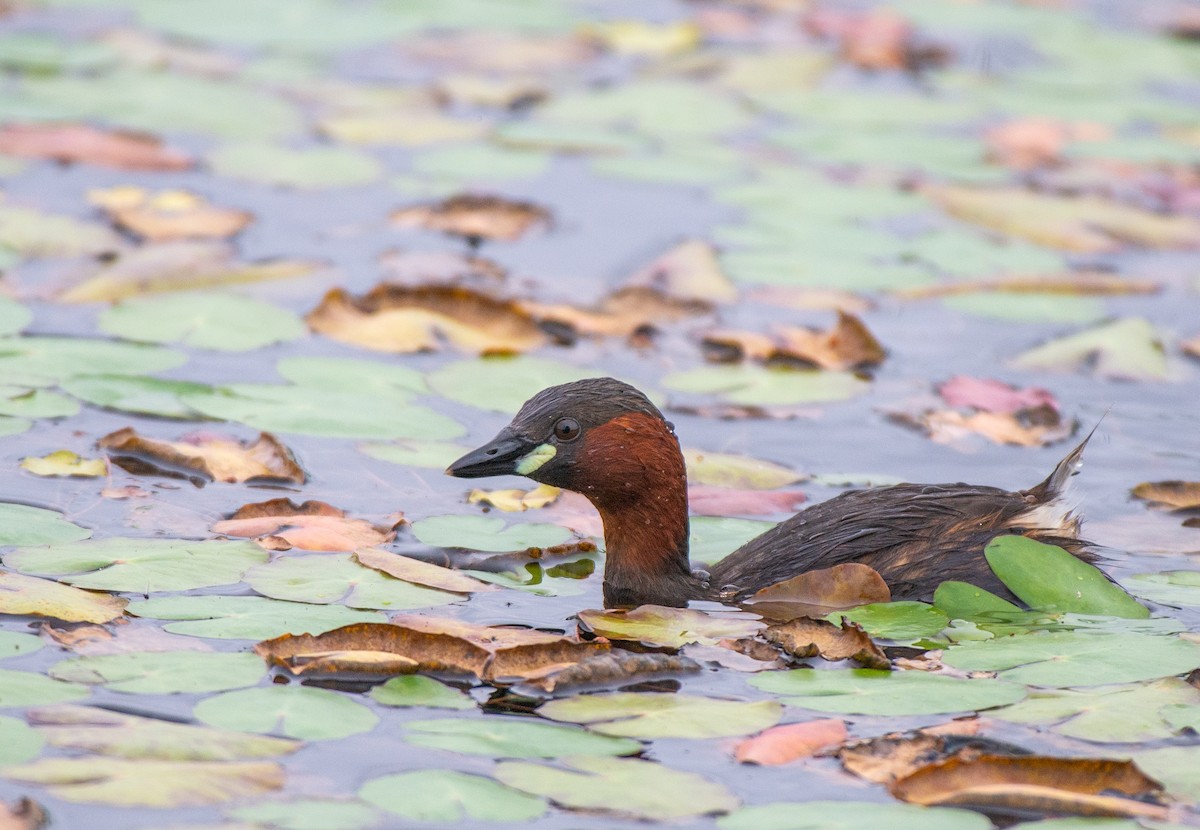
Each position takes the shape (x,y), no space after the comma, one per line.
(604,439)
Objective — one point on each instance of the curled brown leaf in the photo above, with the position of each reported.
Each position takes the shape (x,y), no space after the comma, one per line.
(205,457)
(475,217)
(808,637)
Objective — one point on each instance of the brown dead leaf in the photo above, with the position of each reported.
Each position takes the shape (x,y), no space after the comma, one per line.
(169,214)
(394,318)
(489,91)
(412,643)
(885,759)
(85,144)
(1177,495)
(420,573)
(204,457)
(625,312)
(1084,283)
(516,501)
(1029,428)
(689,271)
(475,217)
(1192,346)
(848,344)
(608,670)
(1003,785)
(808,637)
(26,814)
(281,524)
(791,742)
(1087,224)
(818,592)
(183,265)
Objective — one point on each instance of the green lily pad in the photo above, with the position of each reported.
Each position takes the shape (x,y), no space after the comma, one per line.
(479,162)
(1077,658)
(963,601)
(1129,348)
(16,401)
(851,815)
(500,737)
(293,711)
(32,233)
(18,742)
(309,814)
(311,410)
(13,426)
(247,618)
(899,621)
(649,715)
(316,167)
(442,795)
(630,788)
(222,322)
(12,644)
(419,690)
(327,578)
(140,565)
(150,783)
(21,525)
(873,692)
(721,469)
(715,537)
(59,358)
(487,533)
(750,385)
(432,454)
(1169,587)
(42,53)
(341,374)
(141,396)
(670,627)
(1111,714)
(24,688)
(1047,578)
(501,384)
(164,102)
(667,108)
(163,673)
(129,736)
(13,316)
(1177,767)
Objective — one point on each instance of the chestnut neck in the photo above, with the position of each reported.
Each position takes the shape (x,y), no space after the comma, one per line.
(636,478)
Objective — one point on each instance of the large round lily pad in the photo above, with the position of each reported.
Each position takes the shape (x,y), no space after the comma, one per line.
(644,715)
(487,533)
(444,795)
(247,618)
(22,525)
(222,322)
(499,737)
(326,578)
(294,711)
(25,688)
(163,673)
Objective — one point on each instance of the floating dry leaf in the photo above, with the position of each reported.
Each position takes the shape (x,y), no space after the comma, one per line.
(86,144)
(1086,224)
(689,271)
(818,592)
(169,214)
(848,344)
(1082,283)
(205,457)
(807,637)
(428,644)
(1004,785)
(281,524)
(790,742)
(421,573)
(878,39)
(20,594)
(65,463)
(625,312)
(1005,414)
(122,638)
(609,670)
(475,217)
(886,758)
(1177,495)
(516,501)
(395,318)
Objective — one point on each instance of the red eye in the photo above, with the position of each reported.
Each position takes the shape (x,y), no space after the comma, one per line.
(567,429)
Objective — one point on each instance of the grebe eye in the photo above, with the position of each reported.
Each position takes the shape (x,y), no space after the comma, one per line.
(567,429)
